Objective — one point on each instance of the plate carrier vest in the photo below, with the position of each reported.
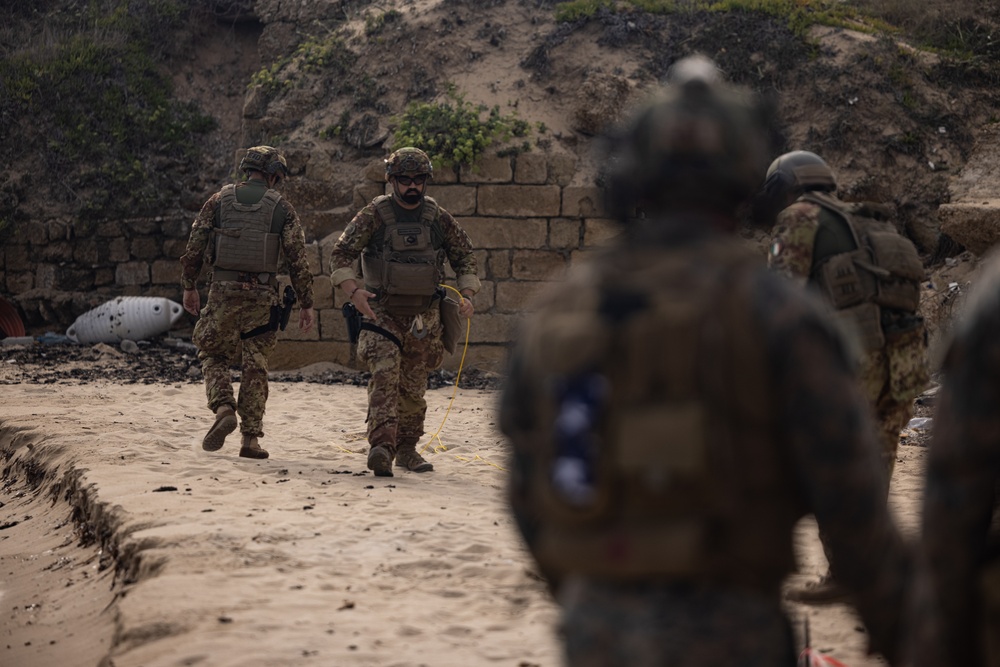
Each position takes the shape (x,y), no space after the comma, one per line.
(690,481)
(404,272)
(245,240)
(883,271)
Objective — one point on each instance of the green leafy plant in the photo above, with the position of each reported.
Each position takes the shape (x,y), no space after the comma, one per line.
(457,132)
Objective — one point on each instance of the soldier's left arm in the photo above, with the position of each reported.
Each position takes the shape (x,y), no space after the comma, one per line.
(293,245)
(458,248)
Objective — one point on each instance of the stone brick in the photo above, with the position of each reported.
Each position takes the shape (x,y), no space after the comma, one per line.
(166,272)
(492,358)
(18,258)
(59,231)
(600,231)
(174,248)
(87,251)
(498,265)
(485,298)
(445,176)
(562,168)
(19,282)
(322,292)
(145,247)
(35,233)
(309,194)
(132,273)
(175,226)
(118,250)
(332,325)
(292,354)
(110,229)
(456,199)
(564,233)
(141,226)
(531,169)
(488,169)
(58,251)
(515,296)
(581,202)
(519,201)
(583,255)
(104,276)
(505,232)
(374,171)
(538,265)
(493,328)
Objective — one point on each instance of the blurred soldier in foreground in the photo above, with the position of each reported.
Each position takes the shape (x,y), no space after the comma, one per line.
(674,409)
(403,240)
(960,543)
(852,255)
(241,230)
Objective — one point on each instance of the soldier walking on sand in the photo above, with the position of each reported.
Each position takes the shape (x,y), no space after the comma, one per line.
(402,240)
(674,409)
(960,536)
(852,255)
(240,230)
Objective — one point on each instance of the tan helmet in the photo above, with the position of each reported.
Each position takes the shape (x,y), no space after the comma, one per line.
(800,171)
(266,160)
(409,161)
(701,142)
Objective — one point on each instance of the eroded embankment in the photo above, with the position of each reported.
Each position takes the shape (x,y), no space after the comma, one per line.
(59,575)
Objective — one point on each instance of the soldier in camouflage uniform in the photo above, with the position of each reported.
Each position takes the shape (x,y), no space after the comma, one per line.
(870,274)
(960,536)
(402,240)
(240,231)
(674,409)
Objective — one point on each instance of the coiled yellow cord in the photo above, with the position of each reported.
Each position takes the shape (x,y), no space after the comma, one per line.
(440,447)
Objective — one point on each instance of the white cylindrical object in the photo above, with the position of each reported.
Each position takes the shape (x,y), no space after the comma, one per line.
(125,318)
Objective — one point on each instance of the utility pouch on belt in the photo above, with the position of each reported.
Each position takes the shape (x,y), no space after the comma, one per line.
(989,589)
(452,323)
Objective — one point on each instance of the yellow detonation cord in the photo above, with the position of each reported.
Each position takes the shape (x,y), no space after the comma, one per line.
(440,447)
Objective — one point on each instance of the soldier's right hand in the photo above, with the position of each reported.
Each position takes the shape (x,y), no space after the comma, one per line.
(360,301)
(192,301)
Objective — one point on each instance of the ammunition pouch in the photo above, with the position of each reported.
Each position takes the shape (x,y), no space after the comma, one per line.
(451,322)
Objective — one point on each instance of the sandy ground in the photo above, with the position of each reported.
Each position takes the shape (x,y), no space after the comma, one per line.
(123,543)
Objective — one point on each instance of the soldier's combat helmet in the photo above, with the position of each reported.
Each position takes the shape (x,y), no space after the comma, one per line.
(266,160)
(800,171)
(408,161)
(700,142)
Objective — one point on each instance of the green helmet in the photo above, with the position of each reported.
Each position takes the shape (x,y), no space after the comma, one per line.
(700,143)
(266,160)
(409,161)
(800,171)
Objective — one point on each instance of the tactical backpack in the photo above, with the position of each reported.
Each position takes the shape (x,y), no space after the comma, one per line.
(882,275)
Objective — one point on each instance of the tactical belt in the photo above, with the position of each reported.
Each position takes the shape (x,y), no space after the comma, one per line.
(383,332)
(262,278)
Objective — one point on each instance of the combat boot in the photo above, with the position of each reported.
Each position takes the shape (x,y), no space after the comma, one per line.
(251,449)
(408,457)
(380,460)
(225,423)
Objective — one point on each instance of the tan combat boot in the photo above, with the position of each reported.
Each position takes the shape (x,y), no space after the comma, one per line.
(380,461)
(225,423)
(408,457)
(251,449)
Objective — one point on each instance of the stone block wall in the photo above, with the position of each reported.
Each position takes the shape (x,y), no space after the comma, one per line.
(528,220)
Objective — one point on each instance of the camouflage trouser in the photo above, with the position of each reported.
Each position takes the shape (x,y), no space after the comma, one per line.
(396,405)
(229,312)
(605,625)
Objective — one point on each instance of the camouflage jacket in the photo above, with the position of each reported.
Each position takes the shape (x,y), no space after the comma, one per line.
(823,433)
(361,234)
(961,492)
(200,247)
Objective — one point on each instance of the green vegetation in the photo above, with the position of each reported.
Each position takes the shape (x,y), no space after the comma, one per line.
(329,56)
(94,110)
(454,132)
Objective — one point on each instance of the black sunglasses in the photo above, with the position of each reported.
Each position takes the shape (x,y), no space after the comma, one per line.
(419,179)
